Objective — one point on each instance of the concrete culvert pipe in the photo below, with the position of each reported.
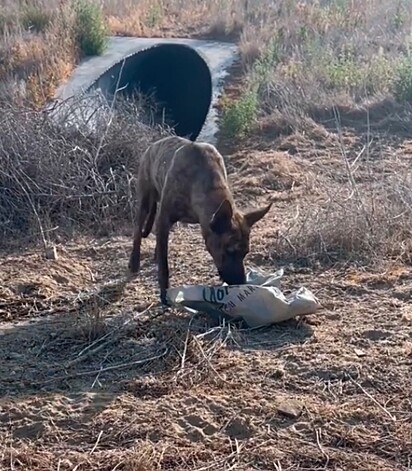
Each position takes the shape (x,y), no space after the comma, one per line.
(175,74)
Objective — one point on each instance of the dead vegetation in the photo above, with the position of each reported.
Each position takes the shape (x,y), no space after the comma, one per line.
(147,390)
(92,374)
(71,180)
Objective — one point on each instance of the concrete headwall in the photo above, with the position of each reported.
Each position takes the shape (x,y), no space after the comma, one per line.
(184,75)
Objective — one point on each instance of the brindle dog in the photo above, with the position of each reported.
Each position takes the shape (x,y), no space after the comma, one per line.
(189,183)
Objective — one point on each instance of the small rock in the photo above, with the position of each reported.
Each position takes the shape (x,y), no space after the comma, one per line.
(51,253)
(376,335)
(360,353)
(291,408)
(278,374)
(239,428)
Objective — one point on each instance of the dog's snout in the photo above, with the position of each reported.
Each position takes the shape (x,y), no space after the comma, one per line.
(233,276)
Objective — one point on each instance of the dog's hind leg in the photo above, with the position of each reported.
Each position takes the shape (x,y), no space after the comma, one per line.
(151,217)
(150,222)
(155,253)
(141,216)
(162,240)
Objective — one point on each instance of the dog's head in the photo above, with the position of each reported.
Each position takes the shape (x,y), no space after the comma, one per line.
(227,240)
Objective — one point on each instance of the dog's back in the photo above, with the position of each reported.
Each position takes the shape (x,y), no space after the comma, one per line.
(189,164)
(156,161)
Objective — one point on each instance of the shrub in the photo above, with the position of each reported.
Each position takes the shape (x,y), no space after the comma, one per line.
(373,224)
(154,16)
(343,72)
(90,28)
(239,115)
(265,66)
(80,182)
(403,79)
(379,74)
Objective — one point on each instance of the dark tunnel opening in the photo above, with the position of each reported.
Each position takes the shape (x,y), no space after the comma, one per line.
(175,74)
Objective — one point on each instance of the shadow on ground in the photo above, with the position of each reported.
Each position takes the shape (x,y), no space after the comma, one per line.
(62,371)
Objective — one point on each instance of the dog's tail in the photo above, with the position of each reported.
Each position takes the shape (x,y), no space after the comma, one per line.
(150,218)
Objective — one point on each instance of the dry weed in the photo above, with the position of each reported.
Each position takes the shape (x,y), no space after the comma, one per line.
(60,178)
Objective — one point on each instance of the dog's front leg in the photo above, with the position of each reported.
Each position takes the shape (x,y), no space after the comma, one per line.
(162,241)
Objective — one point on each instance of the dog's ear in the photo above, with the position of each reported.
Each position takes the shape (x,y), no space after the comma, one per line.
(222,218)
(252,217)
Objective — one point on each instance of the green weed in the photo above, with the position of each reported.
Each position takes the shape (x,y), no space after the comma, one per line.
(90,28)
(239,115)
(400,17)
(343,72)
(265,66)
(403,79)
(379,74)
(153,16)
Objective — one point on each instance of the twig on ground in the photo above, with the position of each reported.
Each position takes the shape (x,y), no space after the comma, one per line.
(79,359)
(123,365)
(318,432)
(207,360)
(372,398)
(97,442)
(103,370)
(183,359)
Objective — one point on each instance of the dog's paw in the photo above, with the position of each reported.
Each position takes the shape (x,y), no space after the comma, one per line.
(164,301)
(133,266)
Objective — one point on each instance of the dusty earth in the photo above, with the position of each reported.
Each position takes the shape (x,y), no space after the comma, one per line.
(94,376)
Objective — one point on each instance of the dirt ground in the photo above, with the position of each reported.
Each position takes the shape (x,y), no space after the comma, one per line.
(94,376)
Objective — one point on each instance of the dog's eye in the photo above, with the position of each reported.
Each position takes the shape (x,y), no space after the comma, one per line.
(235,252)
(231,251)
(239,251)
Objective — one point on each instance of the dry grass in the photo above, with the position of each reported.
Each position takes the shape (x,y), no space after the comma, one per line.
(93,375)
(150,391)
(82,181)
(319,53)
(361,214)
(40,47)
